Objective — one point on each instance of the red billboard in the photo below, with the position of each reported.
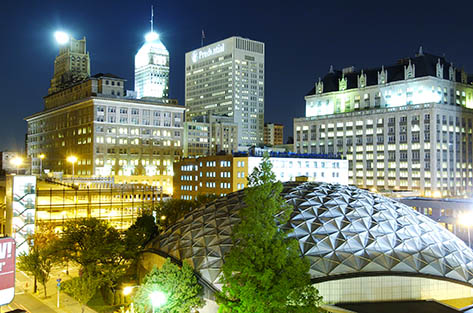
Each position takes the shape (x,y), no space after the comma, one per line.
(7,270)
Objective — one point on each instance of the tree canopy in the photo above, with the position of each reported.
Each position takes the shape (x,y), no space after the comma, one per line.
(179,285)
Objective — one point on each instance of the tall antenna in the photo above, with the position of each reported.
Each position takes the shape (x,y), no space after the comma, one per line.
(152,17)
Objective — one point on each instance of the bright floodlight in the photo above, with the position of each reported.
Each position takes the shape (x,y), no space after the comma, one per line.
(151,36)
(61,37)
(466,219)
(158,298)
(127,290)
(17,161)
(72,159)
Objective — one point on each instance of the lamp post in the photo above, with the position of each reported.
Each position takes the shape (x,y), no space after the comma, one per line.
(41,157)
(158,299)
(466,219)
(17,161)
(72,159)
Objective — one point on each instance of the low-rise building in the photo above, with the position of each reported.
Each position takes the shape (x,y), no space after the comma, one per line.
(222,174)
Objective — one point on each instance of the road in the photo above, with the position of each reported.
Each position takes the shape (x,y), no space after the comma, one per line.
(27,302)
(24,300)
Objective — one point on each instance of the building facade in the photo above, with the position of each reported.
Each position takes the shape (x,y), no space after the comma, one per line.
(152,68)
(134,140)
(227,78)
(402,127)
(71,65)
(223,174)
(218,135)
(273,134)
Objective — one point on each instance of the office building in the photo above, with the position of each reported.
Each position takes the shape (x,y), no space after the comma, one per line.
(134,140)
(402,127)
(223,174)
(72,65)
(227,78)
(152,68)
(273,134)
(218,135)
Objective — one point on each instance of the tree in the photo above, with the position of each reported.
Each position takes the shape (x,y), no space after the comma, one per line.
(37,263)
(90,242)
(98,248)
(263,270)
(82,288)
(139,234)
(178,284)
(41,257)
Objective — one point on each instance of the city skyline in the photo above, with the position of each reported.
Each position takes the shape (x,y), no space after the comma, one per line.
(296,52)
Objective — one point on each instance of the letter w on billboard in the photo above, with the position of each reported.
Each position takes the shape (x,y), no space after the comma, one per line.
(7,270)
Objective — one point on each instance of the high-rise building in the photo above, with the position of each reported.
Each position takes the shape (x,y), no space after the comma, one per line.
(134,140)
(273,134)
(72,65)
(402,127)
(227,78)
(152,67)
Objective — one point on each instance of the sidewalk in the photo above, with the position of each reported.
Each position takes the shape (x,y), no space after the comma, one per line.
(66,303)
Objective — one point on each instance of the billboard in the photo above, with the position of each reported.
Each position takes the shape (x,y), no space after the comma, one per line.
(7,270)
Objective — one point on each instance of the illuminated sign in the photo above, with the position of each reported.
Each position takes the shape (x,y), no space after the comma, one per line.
(7,270)
(205,53)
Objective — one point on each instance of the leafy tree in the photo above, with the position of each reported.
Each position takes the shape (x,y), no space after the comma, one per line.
(139,234)
(41,257)
(263,270)
(82,288)
(90,242)
(37,263)
(98,248)
(178,284)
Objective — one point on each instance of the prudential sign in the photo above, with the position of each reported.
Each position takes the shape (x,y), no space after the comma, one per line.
(207,52)
(7,270)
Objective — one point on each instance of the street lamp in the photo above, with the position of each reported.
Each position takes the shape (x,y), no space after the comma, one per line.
(17,161)
(158,299)
(466,219)
(72,159)
(41,157)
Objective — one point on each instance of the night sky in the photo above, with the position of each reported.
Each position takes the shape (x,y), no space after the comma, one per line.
(302,38)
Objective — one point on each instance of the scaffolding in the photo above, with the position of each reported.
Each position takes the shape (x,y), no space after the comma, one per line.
(120,205)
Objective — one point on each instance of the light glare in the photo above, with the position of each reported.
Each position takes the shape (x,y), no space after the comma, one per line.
(127,290)
(61,37)
(158,298)
(151,36)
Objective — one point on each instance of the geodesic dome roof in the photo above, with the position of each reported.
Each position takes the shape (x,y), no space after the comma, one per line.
(344,232)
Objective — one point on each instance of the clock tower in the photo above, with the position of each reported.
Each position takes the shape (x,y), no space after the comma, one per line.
(152,67)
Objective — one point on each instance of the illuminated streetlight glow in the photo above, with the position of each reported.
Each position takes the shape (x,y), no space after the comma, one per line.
(17,161)
(158,299)
(466,219)
(151,36)
(127,290)
(72,159)
(61,37)
(41,157)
